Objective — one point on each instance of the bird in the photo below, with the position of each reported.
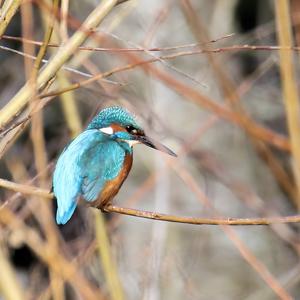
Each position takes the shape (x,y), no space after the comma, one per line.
(93,167)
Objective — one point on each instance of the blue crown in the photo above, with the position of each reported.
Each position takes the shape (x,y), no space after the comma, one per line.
(113,114)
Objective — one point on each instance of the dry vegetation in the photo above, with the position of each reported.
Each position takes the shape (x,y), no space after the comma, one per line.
(223,96)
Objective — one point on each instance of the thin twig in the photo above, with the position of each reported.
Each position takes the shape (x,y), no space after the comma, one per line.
(200,221)
(30,190)
(105,49)
(45,61)
(198,46)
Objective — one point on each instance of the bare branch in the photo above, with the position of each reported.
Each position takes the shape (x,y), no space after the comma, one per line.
(30,190)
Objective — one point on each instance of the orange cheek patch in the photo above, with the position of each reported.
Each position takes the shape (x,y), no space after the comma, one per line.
(117,128)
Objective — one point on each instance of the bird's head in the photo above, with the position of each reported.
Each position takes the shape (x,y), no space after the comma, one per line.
(121,125)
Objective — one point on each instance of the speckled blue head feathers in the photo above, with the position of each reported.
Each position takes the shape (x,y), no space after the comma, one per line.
(113,114)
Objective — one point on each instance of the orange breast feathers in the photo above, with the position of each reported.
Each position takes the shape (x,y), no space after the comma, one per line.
(112,187)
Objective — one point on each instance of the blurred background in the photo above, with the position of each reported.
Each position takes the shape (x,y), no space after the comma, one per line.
(220,104)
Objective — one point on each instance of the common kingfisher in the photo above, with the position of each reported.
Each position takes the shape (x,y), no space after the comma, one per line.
(93,167)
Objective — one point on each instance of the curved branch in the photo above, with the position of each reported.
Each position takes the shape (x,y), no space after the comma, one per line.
(33,191)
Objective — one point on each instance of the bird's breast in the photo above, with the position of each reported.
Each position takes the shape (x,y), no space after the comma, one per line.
(111,187)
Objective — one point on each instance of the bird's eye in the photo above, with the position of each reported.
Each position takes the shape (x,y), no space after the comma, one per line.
(131,129)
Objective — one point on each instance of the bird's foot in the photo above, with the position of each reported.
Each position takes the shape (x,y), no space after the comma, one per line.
(104,207)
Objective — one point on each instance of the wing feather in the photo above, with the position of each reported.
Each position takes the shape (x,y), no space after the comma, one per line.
(82,170)
(102,164)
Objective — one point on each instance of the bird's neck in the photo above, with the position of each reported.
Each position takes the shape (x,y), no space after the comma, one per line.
(126,146)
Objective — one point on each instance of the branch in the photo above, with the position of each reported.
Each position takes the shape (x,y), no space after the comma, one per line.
(289,82)
(199,48)
(31,190)
(8,10)
(200,221)
(18,102)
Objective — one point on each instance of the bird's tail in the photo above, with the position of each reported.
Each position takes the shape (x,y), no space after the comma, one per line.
(64,215)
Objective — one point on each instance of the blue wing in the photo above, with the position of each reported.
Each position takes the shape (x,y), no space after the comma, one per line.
(82,170)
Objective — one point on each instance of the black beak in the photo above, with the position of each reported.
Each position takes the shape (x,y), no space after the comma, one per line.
(154,144)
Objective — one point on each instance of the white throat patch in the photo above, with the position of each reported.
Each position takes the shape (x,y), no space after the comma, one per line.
(131,142)
(107,130)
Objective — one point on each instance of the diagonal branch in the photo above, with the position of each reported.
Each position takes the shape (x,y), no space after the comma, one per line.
(8,10)
(56,62)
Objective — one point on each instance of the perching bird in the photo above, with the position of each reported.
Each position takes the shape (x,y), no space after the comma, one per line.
(95,164)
